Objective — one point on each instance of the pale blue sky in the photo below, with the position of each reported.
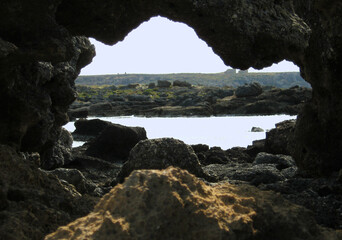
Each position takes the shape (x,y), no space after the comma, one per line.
(162,46)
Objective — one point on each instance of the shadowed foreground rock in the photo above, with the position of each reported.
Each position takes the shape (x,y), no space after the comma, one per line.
(173,204)
(32,202)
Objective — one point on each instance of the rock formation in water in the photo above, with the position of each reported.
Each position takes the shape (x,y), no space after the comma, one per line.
(173,204)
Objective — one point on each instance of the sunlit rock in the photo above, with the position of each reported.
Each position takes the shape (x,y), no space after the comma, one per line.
(173,204)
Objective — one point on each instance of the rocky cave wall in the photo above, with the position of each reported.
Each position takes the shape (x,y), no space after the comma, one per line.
(42,50)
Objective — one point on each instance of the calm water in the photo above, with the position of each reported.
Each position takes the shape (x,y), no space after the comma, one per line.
(225,132)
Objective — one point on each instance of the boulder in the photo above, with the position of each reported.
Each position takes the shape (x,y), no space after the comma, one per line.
(249,90)
(320,195)
(115,142)
(239,154)
(256,147)
(173,204)
(280,140)
(200,148)
(32,202)
(178,83)
(280,161)
(253,174)
(60,153)
(163,84)
(95,170)
(74,177)
(159,154)
(88,129)
(257,129)
(215,155)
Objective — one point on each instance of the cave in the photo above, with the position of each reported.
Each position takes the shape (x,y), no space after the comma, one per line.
(43,50)
(44,45)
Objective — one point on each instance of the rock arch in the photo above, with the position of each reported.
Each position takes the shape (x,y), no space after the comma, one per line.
(41,54)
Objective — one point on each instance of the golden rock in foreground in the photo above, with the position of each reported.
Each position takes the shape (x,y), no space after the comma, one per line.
(173,204)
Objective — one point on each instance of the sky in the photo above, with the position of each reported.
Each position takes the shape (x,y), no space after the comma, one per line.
(162,46)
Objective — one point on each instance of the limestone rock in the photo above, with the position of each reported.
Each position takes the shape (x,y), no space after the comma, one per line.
(115,142)
(173,204)
(159,154)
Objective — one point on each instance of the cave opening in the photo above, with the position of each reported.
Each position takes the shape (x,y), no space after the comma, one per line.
(160,46)
(167,51)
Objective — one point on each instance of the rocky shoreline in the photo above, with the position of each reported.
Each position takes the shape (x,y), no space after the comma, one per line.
(175,99)
(48,190)
(114,154)
(265,165)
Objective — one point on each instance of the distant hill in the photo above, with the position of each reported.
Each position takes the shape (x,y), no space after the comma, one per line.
(228,78)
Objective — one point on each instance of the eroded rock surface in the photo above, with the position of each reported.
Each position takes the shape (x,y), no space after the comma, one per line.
(173,204)
(32,202)
(159,154)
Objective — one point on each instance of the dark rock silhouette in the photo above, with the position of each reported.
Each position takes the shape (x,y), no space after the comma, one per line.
(115,142)
(88,129)
(280,140)
(32,201)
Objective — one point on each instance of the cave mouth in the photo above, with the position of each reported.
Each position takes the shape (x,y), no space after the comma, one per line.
(160,45)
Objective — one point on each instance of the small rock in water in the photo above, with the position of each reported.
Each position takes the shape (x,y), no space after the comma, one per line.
(257,129)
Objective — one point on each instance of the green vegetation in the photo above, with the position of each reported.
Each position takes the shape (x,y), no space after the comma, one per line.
(85,93)
(229,78)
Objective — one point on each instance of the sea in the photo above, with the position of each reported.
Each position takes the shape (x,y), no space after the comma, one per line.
(225,132)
